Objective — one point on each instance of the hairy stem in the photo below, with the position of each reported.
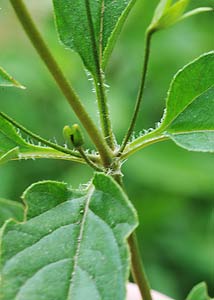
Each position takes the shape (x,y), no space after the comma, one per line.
(137,267)
(88,160)
(140,92)
(138,271)
(141,143)
(99,81)
(50,62)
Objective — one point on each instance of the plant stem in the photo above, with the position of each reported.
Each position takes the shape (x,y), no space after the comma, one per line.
(140,92)
(50,62)
(141,143)
(88,160)
(138,271)
(42,140)
(99,81)
(137,267)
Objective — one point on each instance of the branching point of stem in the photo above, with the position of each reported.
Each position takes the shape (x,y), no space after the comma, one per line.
(50,62)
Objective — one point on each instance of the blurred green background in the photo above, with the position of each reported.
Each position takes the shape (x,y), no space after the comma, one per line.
(172,189)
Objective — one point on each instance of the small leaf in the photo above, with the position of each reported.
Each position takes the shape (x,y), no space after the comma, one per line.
(166,15)
(160,10)
(7,80)
(14,147)
(10,210)
(199,292)
(173,14)
(195,12)
(72,245)
(76,33)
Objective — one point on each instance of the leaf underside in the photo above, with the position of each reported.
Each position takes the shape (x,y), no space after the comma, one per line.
(72,245)
(74,27)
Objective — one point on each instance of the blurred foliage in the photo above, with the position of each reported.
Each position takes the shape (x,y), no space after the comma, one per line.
(172,189)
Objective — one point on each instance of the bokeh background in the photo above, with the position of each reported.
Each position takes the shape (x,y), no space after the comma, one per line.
(172,189)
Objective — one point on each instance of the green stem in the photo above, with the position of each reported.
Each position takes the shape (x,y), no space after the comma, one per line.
(50,62)
(137,267)
(88,160)
(99,83)
(140,92)
(42,140)
(138,271)
(141,143)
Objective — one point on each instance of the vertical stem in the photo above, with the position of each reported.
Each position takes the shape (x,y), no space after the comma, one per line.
(138,271)
(99,80)
(140,92)
(137,267)
(45,54)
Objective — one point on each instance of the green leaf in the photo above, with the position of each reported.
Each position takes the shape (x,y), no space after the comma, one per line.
(166,14)
(14,147)
(76,32)
(160,10)
(7,80)
(72,245)
(199,292)
(196,12)
(188,119)
(190,106)
(10,210)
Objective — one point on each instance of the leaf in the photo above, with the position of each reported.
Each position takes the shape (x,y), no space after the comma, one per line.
(190,106)
(14,147)
(160,10)
(173,14)
(76,32)
(7,80)
(10,209)
(72,245)
(166,14)
(195,12)
(188,119)
(199,292)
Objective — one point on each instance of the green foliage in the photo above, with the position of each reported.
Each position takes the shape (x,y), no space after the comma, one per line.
(7,80)
(71,245)
(10,210)
(91,40)
(199,292)
(190,104)
(13,146)
(166,14)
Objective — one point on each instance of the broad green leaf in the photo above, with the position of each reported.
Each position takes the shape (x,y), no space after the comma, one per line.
(194,127)
(7,80)
(72,244)
(189,114)
(10,210)
(199,292)
(14,147)
(76,32)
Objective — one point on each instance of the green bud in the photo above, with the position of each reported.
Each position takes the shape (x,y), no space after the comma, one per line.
(74,135)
